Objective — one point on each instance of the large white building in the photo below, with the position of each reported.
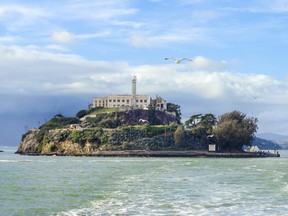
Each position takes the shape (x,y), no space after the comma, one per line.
(133,101)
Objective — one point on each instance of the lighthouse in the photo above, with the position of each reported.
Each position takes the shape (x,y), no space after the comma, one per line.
(133,101)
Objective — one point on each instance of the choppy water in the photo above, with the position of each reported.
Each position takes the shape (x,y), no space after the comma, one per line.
(35,185)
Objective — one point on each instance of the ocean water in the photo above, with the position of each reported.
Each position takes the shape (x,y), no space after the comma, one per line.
(64,186)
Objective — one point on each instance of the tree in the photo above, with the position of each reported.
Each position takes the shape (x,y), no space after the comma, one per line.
(193,121)
(201,125)
(207,121)
(179,136)
(171,107)
(81,113)
(233,130)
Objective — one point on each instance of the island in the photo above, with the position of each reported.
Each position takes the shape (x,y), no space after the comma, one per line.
(110,132)
(138,125)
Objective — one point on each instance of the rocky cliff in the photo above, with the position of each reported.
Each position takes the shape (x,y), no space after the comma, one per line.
(129,130)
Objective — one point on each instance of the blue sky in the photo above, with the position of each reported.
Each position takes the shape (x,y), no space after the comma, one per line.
(57,55)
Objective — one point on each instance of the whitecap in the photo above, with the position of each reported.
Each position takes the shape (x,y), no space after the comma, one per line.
(285,188)
(14,161)
(7,161)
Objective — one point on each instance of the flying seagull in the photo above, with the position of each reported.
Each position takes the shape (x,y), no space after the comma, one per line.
(178,61)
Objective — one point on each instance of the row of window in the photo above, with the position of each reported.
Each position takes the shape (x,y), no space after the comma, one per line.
(118,105)
(127,101)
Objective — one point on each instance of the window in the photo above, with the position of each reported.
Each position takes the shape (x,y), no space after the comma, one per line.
(114,100)
(137,101)
(123,101)
(141,101)
(110,100)
(118,100)
(145,101)
(127,101)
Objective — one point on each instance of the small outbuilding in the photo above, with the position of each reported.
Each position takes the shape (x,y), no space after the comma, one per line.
(212,148)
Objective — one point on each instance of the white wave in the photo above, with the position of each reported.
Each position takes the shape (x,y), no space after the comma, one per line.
(15,161)
(285,188)
(7,161)
(250,167)
(277,176)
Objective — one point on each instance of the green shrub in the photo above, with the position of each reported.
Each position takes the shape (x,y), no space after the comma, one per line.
(53,148)
(59,122)
(77,137)
(24,135)
(84,136)
(81,113)
(43,142)
(179,136)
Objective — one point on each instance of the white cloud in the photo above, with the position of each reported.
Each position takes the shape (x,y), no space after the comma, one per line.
(15,16)
(280,5)
(34,71)
(178,33)
(10,11)
(139,41)
(62,37)
(36,20)
(202,78)
(261,6)
(203,63)
(56,47)
(9,39)
(89,36)
(275,6)
(191,1)
(97,10)
(205,14)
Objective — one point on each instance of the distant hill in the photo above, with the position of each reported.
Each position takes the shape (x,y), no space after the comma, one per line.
(281,140)
(264,144)
(272,136)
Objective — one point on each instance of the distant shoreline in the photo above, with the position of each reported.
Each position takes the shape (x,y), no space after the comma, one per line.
(144,153)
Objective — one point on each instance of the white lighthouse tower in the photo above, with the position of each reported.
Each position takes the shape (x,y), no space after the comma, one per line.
(133,102)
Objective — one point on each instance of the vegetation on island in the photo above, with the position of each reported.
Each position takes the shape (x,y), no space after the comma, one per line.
(233,130)
(230,131)
(111,129)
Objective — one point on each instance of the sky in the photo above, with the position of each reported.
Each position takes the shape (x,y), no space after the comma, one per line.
(55,56)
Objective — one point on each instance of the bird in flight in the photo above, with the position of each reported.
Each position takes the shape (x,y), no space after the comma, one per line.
(178,61)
